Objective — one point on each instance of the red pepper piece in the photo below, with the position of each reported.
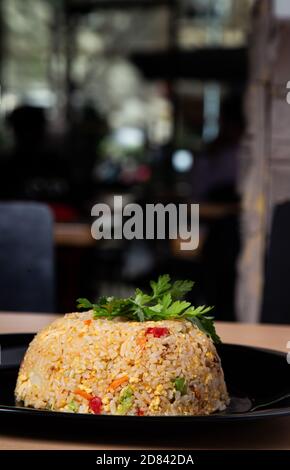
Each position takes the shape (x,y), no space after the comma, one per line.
(157,332)
(95,404)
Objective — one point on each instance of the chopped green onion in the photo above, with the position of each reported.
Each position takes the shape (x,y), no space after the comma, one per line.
(126,400)
(180,385)
(72,406)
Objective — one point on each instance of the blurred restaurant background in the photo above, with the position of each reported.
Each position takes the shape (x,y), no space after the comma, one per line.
(181,101)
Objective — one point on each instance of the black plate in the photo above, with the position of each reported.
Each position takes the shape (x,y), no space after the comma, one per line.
(258,381)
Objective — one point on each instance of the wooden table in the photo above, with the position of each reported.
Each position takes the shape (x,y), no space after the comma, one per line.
(271,434)
(73,234)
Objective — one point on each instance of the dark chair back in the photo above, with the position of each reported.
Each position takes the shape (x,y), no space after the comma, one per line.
(26,257)
(276,298)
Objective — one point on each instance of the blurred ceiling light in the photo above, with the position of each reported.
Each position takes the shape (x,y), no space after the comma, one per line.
(129,137)
(160,131)
(90,42)
(130,113)
(182,160)
(159,118)
(41,97)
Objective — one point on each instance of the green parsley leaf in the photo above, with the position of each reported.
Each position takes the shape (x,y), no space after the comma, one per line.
(177,307)
(84,303)
(206,325)
(180,289)
(163,303)
(161,286)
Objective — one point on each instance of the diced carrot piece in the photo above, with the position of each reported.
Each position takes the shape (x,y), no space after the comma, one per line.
(115,384)
(141,341)
(83,394)
(87,322)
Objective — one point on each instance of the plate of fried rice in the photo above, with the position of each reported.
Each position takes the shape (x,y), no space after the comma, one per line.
(152,356)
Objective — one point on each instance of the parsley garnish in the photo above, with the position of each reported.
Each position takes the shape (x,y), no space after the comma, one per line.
(164,302)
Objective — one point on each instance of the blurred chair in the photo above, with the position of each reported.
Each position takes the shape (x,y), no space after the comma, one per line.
(276,298)
(26,257)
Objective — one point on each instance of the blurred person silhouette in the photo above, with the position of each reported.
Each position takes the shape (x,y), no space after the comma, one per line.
(32,169)
(88,127)
(215,185)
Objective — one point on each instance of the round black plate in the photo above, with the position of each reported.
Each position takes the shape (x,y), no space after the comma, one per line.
(258,381)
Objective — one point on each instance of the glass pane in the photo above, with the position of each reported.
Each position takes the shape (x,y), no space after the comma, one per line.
(27,43)
(214,22)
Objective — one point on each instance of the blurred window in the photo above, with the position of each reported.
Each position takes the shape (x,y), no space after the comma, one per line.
(25,74)
(214,22)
